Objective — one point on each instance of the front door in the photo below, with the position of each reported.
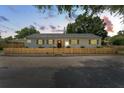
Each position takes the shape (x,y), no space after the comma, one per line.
(59,43)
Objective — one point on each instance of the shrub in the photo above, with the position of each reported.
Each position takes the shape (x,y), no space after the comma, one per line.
(68,47)
(26,46)
(1,48)
(40,47)
(99,47)
(117,40)
(82,47)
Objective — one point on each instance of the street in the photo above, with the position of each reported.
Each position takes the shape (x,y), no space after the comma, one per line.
(48,72)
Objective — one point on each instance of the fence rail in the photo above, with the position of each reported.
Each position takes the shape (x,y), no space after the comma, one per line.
(12,45)
(55,51)
(121,47)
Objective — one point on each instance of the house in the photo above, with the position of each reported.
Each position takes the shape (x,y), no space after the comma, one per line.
(62,40)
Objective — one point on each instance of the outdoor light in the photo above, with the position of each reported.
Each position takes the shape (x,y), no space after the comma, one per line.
(66,43)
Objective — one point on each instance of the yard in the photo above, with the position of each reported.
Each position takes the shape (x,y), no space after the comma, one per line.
(78,71)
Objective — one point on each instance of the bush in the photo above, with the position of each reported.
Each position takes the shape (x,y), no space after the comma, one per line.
(26,47)
(40,47)
(1,48)
(68,47)
(117,40)
(82,47)
(99,47)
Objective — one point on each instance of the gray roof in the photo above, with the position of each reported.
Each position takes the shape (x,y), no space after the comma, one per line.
(17,40)
(45,36)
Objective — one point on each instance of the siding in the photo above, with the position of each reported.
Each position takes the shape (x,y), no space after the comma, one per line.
(82,42)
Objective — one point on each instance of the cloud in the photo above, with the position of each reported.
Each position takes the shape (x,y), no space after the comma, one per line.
(12,8)
(52,27)
(39,26)
(109,25)
(57,30)
(30,26)
(45,17)
(58,26)
(49,15)
(42,28)
(60,30)
(5,27)
(36,24)
(69,18)
(3,18)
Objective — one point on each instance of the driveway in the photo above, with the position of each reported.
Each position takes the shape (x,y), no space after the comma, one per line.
(77,71)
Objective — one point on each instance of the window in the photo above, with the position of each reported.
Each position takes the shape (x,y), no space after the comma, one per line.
(40,42)
(98,42)
(50,42)
(93,42)
(28,41)
(74,42)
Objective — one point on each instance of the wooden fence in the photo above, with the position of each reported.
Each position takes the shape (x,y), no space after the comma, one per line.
(18,45)
(57,51)
(120,47)
(12,45)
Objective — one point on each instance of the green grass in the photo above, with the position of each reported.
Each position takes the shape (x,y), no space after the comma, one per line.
(1,51)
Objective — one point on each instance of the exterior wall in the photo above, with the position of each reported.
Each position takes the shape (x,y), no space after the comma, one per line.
(85,43)
(82,42)
(32,44)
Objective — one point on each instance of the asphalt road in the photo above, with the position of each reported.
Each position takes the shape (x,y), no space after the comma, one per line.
(62,72)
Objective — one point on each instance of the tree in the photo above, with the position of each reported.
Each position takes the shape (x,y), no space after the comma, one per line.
(88,9)
(70,28)
(25,32)
(8,38)
(121,32)
(117,40)
(87,24)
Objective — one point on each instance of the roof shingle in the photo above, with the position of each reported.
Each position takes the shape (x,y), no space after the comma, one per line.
(88,35)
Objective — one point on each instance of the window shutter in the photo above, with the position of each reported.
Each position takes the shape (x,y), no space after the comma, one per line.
(53,41)
(36,41)
(43,42)
(77,41)
(69,41)
(97,41)
(89,41)
(47,41)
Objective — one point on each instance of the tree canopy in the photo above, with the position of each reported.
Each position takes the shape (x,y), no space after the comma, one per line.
(89,9)
(118,39)
(88,24)
(25,32)
(8,38)
(121,32)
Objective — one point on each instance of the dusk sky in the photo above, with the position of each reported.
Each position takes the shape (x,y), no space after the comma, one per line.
(13,18)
